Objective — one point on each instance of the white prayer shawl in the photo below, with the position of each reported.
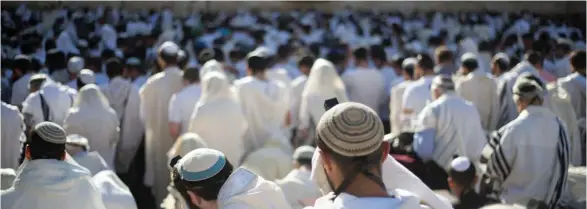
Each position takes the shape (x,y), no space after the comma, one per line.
(558,102)
(270,161)
(11,136)
(182,104)
(401,200)
(395,107)
(297,186)
(215,113)
(416,96)
(576,87)
(124,98)
(20,89)
(92,117)
(394,175)
(109,36)
(58,99)
(365,86)
(297,87)
(245,190)
(457,128)
(508,110)
(480,89)
(7,176)
(65,44)
(115,194)
(155,96)
(562,67)
(527,168)
(140,81)
(52,184)
(264,103)
(185,144)
(91,160)
(323,84)
(211,66)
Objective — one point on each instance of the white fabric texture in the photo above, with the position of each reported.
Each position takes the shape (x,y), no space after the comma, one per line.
(457,128)
(20,89)
(155,96)
(115,194)
(558,102)
(245,190)
(414,99)
(58,98)
(576,87)
(365,86)
(215,113)
(323,83)
(395,176)
(297,87)
(297,187)
(400,200)
(7,176)
(47,183)
(270,162)
(11,136)
(92,161)
(508,107)
(124,98)
(92,117)
(185,144)
(395,108)
(182,104)
(480,89)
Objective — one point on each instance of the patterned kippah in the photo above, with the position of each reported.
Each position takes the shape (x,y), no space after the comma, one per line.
(51,132)
(201,164)
(351,129)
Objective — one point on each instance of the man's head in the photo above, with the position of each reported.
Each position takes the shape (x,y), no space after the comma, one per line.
(408,67)
(133,67)
(47,142)
(199,175)
(350,138)
(114,68)
(527,93)
(303,157)
(85,77)
(168,54)
(20,66)
(361,54)
(76,144)
(535,59)
(183,59)
(443,55)
(378,56)
(191,75)
(578,61)
(75,65)
(305,64)
(36,82)
(283,52)
(461,175)
(469,63)
(563,48)
(256,62)
(425,65)
(500,64)
(441,84)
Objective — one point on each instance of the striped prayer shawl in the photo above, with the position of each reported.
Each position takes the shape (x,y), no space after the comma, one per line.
(498,167)
(563,151)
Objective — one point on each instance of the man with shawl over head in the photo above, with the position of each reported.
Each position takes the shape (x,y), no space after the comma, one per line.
(155,96)
(526,169)
(575,83)
(11,136)
(92,117)
(323,84)
(78,147)
(124,98)
(297,186)
(48,175)
(182,104)
(218,111)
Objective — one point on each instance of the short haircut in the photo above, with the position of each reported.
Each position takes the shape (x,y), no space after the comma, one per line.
(361,53)
(465,178)
(191,74)
(207,189)
(578,60)
(443,54)
(256,64)
(470,64)
(169,58)
(378,53)
(307,61)
(23,63)
(305,162)
(183,61)
(218,54)
(283,51)
(502,64)
(107,54)
(113,67)
(425,62)
(534,58)
(42,149)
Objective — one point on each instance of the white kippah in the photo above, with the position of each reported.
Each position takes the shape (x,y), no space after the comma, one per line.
(169,48)
(87,76)
(409,62)
(78,140)
(201,164)
(502,56)
(75,65)
(460,164)
(304,152)
(51,132)
(468,56)
(133,61)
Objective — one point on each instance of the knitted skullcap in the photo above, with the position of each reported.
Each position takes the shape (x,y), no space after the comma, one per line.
(443,82)
(351,129)
(527,89)
(460,164)
(304,152)
(51,132)
(201,164)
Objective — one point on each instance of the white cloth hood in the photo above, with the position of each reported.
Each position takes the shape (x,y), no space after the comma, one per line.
(244,189)
(115,194)
(211,66)
(117,93)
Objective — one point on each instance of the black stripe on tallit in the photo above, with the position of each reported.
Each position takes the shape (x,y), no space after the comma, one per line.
(498,157)
(503,118)
(562,152)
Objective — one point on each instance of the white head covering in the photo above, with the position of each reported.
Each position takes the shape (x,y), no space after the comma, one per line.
(211,66)
(7,176)
(78,140)
(168,47)
(215,86)
(90,97)
(460,164)
(75,65)
(51,132)
(324,80)
(185,144)
(87,76)
(304,152)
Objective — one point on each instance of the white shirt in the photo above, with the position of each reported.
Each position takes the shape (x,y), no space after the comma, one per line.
(415,97)
(101,78)
(297,87)
(182,105)
(365,86)
(401,199)
(389,78)
(140,81)
(20,89)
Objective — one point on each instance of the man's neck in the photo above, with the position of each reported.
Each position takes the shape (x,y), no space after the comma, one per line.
(362,64)
(365,187)
(260,76)
(428,73)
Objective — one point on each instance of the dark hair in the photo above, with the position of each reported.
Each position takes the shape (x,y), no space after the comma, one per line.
(113,67)
(361,53)
(378,53)
(425,62)
(502,64)
(465,178)
(23,63)
(443,54)
(191,74)
(307,61)
(256,64)
(218,54)
(207,189)
(578,60)
(534,58)
(409,70)
(470,64)
(183,61)
(107,54)
(41,149)
(169,58)
(283,51)
(305,162)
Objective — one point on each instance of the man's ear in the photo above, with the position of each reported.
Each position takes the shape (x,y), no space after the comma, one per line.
(326,161)
(386,148)
(27,152)
(63,155)
(451,183)
(196,200)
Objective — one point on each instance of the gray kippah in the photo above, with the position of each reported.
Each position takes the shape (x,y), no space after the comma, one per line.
(51,132)
(351,129)
(527,89)
(443,82)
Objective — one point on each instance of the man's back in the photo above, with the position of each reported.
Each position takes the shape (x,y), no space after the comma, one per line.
(182,104)
(58,100)
(574,85)
(365,86)
(481,90)
(398,199)
(52,184)
(11,135)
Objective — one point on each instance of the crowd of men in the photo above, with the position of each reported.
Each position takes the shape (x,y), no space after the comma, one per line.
(104,108)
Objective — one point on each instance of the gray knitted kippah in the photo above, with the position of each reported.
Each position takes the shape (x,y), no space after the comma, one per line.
(351,129)
(51,132)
